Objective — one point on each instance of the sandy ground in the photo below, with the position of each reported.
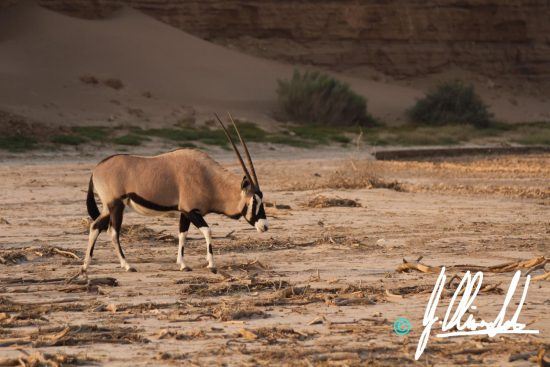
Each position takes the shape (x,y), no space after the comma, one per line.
(334,265)
(168,75)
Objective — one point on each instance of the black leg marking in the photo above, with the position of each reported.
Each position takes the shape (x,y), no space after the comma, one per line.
(197,219)
(184,227)
(199,222)
(116,209)
(100,224)
(184,223)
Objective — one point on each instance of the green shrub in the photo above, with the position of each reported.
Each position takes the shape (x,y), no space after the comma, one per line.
(17,143)
(129,139)
(67,139)
(313,97)
(451,102)
(92,132)
(321,134)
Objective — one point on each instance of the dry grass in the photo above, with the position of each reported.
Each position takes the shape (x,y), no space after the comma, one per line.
(140,232)
(500,176)
(39,359)
(76,335)
(19,255)
(248,285)
(322,201)
(229,312)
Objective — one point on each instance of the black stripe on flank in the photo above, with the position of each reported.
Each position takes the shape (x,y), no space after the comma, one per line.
(148,204)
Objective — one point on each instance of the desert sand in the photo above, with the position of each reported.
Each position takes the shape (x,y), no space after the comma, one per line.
(320,288)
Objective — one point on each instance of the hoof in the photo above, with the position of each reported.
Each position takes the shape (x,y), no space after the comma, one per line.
(213,270)
(185,268)
(131,269)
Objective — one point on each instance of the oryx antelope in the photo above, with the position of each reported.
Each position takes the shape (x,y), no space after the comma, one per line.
(185,180)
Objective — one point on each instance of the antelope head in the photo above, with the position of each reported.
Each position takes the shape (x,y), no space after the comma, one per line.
(251,196)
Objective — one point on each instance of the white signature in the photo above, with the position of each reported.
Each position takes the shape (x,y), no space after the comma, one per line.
(470,326)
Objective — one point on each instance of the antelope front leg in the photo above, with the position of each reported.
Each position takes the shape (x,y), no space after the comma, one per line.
(198,221)
(184,228)
(209,254)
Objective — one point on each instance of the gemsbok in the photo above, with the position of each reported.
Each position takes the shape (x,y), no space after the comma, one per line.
(187,181)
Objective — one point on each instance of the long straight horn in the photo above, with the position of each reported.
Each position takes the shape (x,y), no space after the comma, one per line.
(248,158)
(247,174)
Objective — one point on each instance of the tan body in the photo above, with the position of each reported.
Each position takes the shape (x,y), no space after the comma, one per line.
(186,179)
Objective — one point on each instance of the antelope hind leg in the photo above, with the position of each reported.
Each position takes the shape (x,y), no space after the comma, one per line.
(98,225)
(184,228)
(117,209)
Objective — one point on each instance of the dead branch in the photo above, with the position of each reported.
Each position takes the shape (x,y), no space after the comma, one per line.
(545,276)
(393,297)
(65,253)
(542,362)
(418,266)
(516,265)
(542,265)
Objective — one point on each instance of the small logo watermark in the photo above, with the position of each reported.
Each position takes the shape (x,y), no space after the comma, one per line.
(402,326)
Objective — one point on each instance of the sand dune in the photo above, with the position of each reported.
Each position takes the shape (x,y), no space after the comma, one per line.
(43,54)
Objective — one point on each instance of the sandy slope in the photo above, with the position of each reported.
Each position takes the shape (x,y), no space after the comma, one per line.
(43,54)
(41,64)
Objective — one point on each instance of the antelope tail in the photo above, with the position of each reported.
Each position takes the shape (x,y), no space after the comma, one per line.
(93,210)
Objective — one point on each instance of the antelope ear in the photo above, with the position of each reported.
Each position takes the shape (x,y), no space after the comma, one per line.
(245,184)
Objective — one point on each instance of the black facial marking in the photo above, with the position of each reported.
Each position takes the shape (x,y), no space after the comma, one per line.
(245,209)
(148,204)
(261,213)
(254,206)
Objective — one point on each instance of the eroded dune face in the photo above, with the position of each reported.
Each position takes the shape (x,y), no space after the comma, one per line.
(52,66)
(59,70)
(127,67)
(397,37)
